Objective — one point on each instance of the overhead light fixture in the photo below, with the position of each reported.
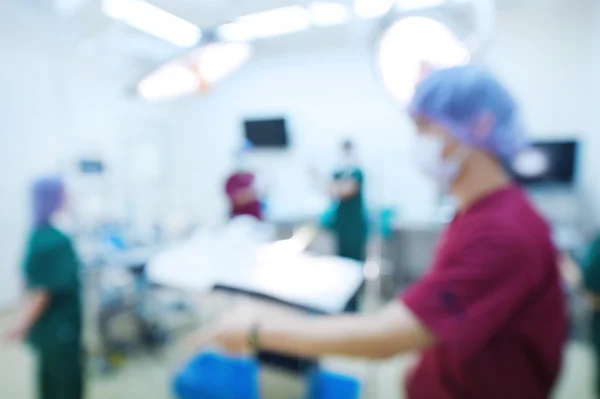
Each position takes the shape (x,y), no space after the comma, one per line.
(328,14)
(410,47)
(234,32)
(279,21)
(67,6)
(369,9)
(199,70)
(154,21)
(420,4)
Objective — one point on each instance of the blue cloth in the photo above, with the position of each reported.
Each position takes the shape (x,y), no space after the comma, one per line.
(458,97)
(386,222)
(328,218)
(213,376)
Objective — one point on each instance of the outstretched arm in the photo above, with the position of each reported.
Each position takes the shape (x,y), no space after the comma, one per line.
(391,331)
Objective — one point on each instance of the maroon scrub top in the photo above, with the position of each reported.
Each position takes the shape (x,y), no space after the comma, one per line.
(235,183)
(493,300)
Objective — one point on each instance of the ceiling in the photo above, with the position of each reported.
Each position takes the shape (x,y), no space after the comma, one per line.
(118,46)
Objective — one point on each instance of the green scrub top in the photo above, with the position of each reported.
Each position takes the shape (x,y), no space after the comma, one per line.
(350,225)
(591,267)
(51,265)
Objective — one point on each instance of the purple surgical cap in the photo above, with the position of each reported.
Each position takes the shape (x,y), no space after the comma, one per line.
(48,195)
(457,97)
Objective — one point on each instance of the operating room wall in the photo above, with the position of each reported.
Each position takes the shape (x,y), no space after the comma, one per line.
(326,96)
(57,106)
(547,51)
(32,130)
(541,48)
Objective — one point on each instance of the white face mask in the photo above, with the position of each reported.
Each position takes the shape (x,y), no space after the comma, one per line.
(429,156)
(64,221)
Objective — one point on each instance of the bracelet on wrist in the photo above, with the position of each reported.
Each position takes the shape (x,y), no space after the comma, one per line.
(253,338)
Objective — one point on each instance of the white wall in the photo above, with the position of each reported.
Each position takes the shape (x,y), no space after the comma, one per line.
(31,129)
(53,106)
(542,49)
(326,96)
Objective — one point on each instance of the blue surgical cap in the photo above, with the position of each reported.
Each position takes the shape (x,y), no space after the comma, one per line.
(457,97)
(48,194)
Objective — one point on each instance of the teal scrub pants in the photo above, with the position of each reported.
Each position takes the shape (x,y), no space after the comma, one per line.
(60,372)
(352,244)
(596,349)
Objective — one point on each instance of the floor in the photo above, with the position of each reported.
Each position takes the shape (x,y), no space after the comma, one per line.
(148,376)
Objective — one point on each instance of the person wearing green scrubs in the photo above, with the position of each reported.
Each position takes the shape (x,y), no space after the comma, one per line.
(349,221)
(350,224)
(591,281)
(52,318)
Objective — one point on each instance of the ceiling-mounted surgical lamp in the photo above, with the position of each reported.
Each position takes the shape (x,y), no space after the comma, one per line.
(196,72)
(154,21)
(441,34)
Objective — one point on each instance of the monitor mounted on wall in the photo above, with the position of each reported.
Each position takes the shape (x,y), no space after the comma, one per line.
(267,133)
(549,162)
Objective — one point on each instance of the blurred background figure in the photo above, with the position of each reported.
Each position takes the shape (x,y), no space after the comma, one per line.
(581,272)
(348,216)
(52,316)
(241,189)
(591,273)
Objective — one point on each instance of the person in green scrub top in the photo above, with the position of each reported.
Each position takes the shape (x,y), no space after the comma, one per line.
(583,273)
(350,224)
(591,282)
(348,220)
(52,317)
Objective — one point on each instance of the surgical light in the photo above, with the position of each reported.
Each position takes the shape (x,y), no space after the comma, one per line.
(200,70)
(412,44)
(328,14)
(266,24)
(369,9)
(409,5)
(154,21)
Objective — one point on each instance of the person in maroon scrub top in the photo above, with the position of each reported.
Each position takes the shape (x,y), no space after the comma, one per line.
(489,317)
(242,195)
(240,188)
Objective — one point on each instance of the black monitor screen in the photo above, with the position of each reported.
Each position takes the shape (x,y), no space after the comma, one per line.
(267,133)
(547,162)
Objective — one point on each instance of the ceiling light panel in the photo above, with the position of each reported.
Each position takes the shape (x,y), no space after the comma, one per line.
(369,9)
(410,5)
(266,24)
(154,21)
(328,14)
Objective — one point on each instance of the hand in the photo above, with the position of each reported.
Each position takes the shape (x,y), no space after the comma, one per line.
(570,271)
(231,333)
(17,334)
